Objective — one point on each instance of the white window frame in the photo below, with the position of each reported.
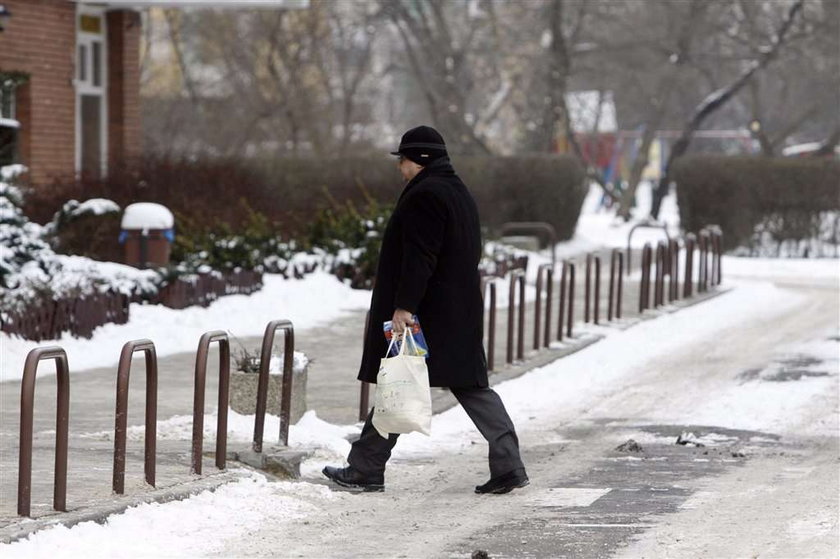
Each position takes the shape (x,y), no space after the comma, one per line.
(87,87)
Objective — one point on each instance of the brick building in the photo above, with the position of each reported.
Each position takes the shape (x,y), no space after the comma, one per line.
(70,81)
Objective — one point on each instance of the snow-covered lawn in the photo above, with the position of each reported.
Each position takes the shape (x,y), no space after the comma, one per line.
(314,300)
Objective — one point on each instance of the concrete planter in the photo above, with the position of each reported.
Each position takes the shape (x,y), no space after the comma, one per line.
(243,389)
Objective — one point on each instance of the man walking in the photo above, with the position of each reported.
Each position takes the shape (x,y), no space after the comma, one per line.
(428,266)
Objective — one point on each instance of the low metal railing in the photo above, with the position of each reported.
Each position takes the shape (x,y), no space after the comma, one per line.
(62,422)
(121,414)
(197,449)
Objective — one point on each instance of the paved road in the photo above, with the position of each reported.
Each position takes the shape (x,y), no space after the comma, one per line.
(756,493)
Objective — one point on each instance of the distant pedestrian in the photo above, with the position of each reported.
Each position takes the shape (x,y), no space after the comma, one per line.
(428,266)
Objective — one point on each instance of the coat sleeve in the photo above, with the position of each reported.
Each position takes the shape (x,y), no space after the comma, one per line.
(423,224)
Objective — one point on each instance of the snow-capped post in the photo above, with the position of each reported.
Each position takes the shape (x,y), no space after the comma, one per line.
(62,425)
(571,315)
(147,234)
(520,338)
(364,388)
(491,327)
(674,270)
(198,398)
(262,388)
(121,415)
(688,282)
(587,284)
(561,309)
(596,311)
(547,271)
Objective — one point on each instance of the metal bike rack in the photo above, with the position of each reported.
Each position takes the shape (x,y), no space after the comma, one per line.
(517,277)
(62,423)
(662,226)
(262,388)
(491,327)
(534,227)
(198,398)
(616,265)
(121,415)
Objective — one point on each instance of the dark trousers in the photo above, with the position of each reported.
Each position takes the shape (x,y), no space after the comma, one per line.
(371,452)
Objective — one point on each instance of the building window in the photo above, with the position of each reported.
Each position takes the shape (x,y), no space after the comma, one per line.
(9,124)
(91,91)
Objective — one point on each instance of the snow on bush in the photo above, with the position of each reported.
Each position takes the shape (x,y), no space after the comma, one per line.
(30,270)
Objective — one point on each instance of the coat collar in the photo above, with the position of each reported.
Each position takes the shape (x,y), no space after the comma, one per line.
(441,166)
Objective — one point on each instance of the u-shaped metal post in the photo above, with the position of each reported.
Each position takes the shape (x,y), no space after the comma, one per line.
(198,398)
(517,277)
(491,327)
(121,415)
(262,387)
(62,423)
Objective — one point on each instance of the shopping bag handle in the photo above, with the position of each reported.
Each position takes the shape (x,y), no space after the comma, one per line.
(406,336)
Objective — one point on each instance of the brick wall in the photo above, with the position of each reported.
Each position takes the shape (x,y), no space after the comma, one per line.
(40,39)
(124,134)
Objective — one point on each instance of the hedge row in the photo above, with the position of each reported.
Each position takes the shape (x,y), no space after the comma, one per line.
(294,193)
(521,188)
(748,196)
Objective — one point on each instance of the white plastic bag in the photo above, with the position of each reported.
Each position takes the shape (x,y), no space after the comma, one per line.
(403,402)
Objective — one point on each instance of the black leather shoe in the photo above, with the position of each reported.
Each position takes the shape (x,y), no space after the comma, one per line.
(505,483)
(353,479)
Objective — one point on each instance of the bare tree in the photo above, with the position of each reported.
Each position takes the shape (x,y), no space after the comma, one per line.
(719,97)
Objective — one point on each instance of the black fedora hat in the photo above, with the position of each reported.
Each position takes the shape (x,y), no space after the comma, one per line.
(422,145)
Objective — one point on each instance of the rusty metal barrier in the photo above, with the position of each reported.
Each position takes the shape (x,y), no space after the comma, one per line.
(491,327)
(659,285)
(549,297)
(198,398)
(688,281)
(62,423)
(121,415)
(703,277)
(548,270)
(570,317)
(644,284)
(630,238)
(516,277)
(587,287)
(674,267)
(596,312)
(616,265)
(562,308)
(534,227)
(262,388)
(364,387)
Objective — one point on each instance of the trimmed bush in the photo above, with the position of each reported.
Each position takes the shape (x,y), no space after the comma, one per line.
(546,188)
(756,200)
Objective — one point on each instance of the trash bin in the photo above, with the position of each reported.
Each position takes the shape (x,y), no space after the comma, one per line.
(147,233)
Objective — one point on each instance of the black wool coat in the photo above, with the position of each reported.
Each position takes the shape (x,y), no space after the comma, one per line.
(428,265)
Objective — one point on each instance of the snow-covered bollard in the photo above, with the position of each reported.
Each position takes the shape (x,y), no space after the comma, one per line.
(147,234)
(243,386)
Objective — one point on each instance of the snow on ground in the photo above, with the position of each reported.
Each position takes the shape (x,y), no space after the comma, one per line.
(565,388)
(195,527)
(314,300)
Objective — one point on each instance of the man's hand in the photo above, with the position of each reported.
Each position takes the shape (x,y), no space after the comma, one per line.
(401,319)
